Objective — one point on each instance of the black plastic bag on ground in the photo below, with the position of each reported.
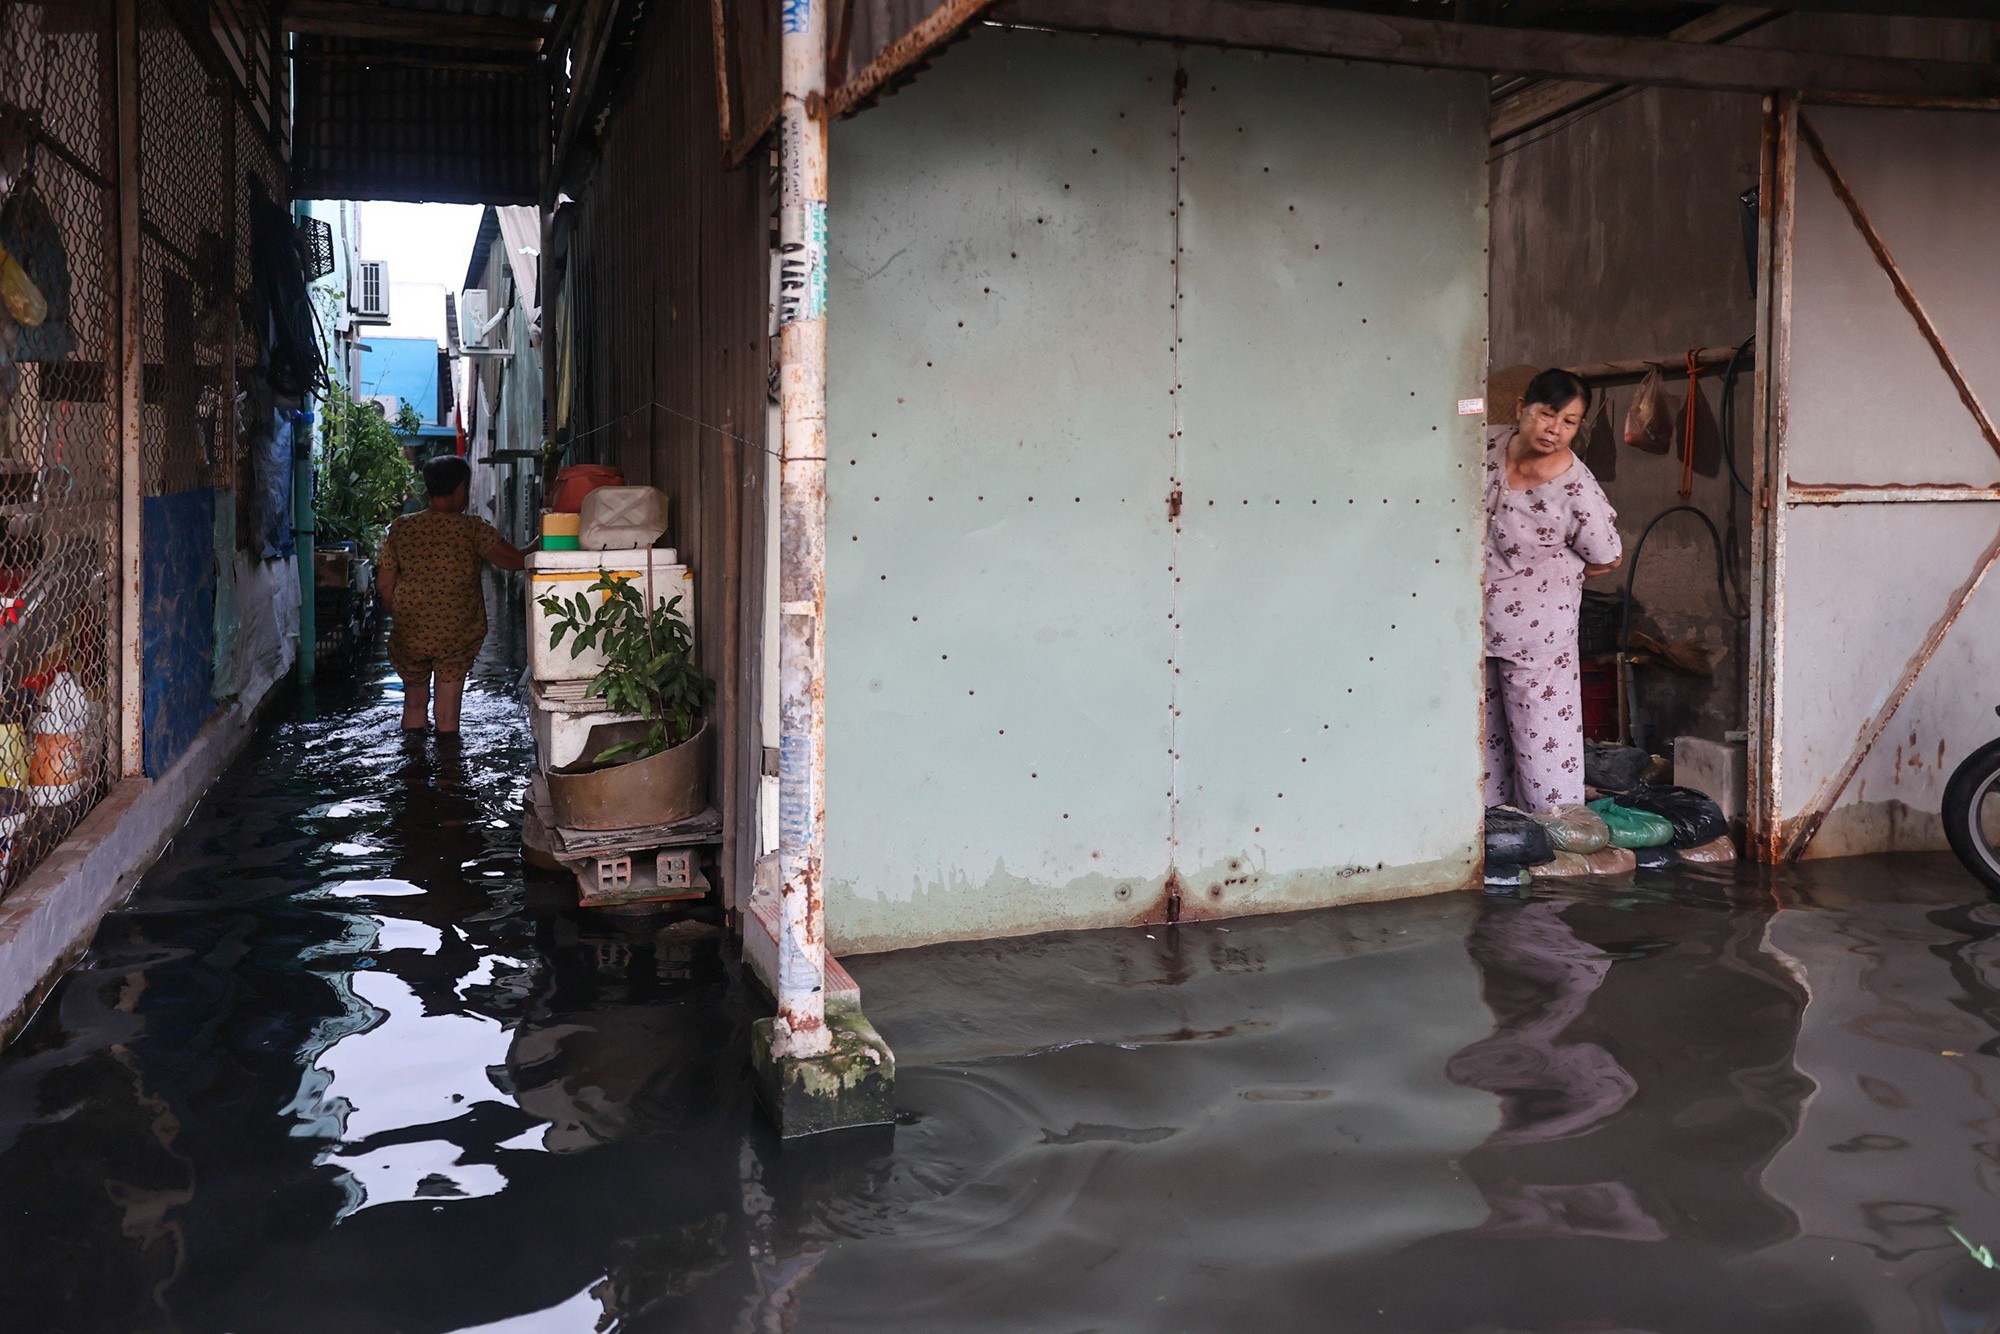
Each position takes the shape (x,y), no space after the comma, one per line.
(1696,819)
(1610,768)
(1663,858)
(1515,839)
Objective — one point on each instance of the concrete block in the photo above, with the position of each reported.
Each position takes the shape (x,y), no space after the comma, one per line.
(851,1086)
(1718,768)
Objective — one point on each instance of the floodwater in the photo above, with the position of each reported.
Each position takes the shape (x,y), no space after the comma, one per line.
(341,1065)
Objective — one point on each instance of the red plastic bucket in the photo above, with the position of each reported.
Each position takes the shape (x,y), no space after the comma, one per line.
(579,480)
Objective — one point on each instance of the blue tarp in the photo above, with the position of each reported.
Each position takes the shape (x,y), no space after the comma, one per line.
(178,620)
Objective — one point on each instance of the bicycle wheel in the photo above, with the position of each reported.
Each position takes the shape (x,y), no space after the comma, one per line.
(1972,814)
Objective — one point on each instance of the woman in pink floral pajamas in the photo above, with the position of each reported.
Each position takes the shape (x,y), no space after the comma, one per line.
(1548,528)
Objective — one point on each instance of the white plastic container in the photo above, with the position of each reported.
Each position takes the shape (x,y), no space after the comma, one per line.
(567,573)
(619,518)
(55,762)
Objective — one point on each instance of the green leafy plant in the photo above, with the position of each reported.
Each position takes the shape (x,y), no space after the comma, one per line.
(364,472)
(649,667)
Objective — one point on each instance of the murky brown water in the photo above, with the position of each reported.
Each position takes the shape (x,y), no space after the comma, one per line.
(341,1065)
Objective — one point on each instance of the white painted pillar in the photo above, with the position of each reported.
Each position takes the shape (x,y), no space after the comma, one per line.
(801,1024)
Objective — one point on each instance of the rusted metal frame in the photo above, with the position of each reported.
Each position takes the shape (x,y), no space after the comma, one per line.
(922,41)
(1894,101)
(842,40)
(1392,39)
(1830,493)
(1807,826)
(1542,101)
(338,18)
(1767,530)
(800,1029)
(131,391)
(68,156)
(1904,293)
(718,23)
(1707,359)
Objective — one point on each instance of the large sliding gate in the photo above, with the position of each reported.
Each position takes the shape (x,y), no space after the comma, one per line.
(1153,521)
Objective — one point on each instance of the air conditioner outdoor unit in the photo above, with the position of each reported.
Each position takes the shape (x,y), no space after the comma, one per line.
(388,405)
(371,289)
(476,325)
(472,317)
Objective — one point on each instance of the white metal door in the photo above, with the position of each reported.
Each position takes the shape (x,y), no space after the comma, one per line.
(1879,628)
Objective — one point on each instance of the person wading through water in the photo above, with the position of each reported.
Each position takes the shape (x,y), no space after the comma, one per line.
(1548,528)
(429,579)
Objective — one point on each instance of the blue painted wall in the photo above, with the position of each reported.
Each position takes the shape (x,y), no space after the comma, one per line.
(407,368)
(178,620)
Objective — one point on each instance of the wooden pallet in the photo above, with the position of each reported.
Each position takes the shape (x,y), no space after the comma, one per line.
(615,867)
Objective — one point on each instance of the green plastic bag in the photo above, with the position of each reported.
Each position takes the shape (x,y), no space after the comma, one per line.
(1633,829)
(1574,828)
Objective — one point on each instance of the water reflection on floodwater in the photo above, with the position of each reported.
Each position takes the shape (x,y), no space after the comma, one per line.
(341,1064)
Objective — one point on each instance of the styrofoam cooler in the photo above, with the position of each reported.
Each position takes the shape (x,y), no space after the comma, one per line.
(567,573)
(563,720)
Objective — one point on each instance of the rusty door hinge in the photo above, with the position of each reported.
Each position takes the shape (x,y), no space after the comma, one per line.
(1174,505)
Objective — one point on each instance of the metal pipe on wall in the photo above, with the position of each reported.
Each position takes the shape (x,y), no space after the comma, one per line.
(800,1030)
(131,730)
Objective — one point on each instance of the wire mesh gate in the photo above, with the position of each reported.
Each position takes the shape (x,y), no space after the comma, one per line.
(59,426)
(67,521)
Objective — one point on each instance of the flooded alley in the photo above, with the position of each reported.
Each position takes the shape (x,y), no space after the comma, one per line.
(342,1064)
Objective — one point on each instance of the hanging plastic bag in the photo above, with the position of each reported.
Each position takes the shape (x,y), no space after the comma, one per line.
(1514,839)
(1649,422)
(1695,818)
(23,300)
(28,233)
(1633,829)
(1575,829)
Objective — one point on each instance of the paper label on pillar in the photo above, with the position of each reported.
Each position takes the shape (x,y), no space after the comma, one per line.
(802,272)
(1471,407)
(797,16)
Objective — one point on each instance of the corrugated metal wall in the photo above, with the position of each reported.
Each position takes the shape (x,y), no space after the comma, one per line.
(396,129)
(663,270)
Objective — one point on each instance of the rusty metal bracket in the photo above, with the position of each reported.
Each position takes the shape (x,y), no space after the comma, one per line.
(1903,291)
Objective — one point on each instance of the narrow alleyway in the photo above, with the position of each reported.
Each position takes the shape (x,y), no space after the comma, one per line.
(342,1065)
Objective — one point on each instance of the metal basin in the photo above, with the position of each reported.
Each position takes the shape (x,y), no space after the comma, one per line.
(659,789)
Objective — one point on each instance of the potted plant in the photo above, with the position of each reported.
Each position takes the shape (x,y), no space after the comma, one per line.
(653,772)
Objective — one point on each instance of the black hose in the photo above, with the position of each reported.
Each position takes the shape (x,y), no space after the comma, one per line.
(1632,573)
(1728,410)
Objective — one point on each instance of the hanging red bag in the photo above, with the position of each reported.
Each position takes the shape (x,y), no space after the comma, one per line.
(1649,423)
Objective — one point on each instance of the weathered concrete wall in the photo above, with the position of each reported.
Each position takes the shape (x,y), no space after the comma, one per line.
(1618,235)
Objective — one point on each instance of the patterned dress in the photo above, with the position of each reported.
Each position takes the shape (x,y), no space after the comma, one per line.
(439,619)
(1537,543)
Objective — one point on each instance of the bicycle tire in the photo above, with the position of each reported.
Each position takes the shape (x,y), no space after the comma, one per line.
(1977,775)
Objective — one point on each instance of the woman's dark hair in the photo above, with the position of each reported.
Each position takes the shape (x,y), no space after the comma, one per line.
(1555,389)
(445,474)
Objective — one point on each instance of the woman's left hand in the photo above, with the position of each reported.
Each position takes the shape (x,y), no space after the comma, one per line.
(1592,571)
